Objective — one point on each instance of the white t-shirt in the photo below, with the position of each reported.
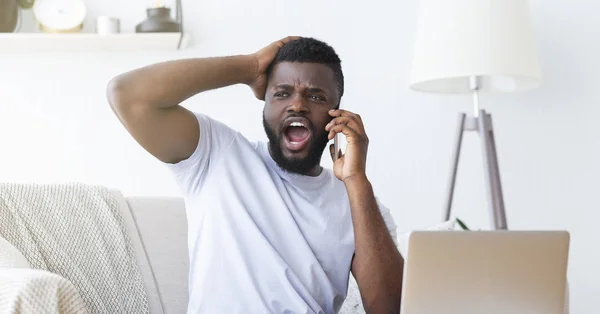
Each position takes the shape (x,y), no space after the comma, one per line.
(262,240)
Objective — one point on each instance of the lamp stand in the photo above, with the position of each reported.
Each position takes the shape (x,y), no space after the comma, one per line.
(481,122)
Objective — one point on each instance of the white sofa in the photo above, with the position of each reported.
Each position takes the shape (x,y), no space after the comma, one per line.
(158,233)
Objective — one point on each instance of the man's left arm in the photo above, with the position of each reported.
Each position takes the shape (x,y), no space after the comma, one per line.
(377,264)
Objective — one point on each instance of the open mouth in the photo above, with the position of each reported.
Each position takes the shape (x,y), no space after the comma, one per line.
(296,134)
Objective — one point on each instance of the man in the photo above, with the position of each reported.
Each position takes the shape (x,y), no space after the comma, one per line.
(269,229)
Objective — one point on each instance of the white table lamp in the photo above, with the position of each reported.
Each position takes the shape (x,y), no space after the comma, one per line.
(472,46)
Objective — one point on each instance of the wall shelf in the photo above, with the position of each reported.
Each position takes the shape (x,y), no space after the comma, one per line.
(90,42)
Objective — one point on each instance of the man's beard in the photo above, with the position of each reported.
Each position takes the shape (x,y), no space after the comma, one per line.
(296,165)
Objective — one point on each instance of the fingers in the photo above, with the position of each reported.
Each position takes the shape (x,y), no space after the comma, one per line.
(350,119)
(344,129)
(290,38)
(347,114)
(286,40)
(343,120)
(342,112)
(331,151)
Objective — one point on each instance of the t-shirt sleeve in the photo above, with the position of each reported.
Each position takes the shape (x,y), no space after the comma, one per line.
(215,139)
(389,221)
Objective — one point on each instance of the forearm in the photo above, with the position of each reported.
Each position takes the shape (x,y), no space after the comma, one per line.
(169,83)
(377,263)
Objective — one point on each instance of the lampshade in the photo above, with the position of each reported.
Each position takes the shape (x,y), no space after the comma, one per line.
(457,39)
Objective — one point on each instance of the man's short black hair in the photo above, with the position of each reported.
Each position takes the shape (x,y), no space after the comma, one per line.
(311,50)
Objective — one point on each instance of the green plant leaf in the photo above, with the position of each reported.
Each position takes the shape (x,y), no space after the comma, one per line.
(462,224)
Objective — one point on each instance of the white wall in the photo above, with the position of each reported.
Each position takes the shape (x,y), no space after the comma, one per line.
(56,126)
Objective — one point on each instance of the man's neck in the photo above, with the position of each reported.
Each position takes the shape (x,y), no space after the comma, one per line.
(316,171)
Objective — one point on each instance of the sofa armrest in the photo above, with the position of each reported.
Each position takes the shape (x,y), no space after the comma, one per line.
(28,291)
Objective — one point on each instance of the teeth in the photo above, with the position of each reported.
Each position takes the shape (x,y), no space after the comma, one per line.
(294,143)
(297,124)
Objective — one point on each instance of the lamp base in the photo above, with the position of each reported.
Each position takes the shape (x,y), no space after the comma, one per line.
(482,123)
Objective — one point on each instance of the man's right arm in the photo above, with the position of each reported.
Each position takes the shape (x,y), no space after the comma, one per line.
(147,100)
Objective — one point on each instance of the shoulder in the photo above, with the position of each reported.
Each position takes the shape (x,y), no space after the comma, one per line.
(218,145)
(212,125)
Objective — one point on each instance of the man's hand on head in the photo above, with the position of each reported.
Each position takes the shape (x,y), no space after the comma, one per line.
(263,59)
(352,164)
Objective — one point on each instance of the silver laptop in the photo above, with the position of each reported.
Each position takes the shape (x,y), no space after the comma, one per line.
(485,272)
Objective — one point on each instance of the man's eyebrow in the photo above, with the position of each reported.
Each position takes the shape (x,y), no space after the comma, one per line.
(284,86)
(317,90)
(310,89)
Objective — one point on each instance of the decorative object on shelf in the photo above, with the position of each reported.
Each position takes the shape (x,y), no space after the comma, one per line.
(159,19)
(60,16)
(9,15)
(473,46)
(107,25)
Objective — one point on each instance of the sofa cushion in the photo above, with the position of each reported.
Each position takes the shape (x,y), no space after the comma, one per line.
(162,226)
(154,304)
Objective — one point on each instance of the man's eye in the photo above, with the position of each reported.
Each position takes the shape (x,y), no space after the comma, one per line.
(317,97)
(281,94)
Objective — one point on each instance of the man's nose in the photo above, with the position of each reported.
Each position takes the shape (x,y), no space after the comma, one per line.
(298,104)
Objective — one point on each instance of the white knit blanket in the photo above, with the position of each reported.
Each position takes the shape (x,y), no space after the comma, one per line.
(77,232)
(34,291)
